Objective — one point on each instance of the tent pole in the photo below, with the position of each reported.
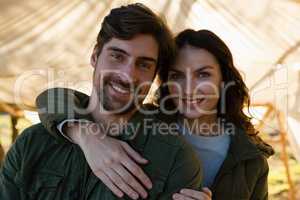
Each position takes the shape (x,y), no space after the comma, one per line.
(284,155)
(283,141)
(266,115)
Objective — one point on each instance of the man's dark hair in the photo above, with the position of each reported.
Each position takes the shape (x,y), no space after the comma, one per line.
(125,22)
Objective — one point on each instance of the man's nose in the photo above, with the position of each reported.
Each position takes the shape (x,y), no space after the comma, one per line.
(130,72)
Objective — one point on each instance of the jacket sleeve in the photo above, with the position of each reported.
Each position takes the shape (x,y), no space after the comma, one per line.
(260,191)
(9,189)
(186,173)
(58,104)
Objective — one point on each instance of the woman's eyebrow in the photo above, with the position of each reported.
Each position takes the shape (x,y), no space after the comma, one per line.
(176,71)
(202,68)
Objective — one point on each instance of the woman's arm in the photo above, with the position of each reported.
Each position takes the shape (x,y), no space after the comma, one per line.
(56,105)
(117,161)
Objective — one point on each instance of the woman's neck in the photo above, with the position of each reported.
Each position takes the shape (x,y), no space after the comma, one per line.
(207,125)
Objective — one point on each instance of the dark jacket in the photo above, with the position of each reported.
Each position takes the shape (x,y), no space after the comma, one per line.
(243,174)
(40,167)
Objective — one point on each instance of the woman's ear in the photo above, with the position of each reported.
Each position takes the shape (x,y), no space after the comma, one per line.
(94,56)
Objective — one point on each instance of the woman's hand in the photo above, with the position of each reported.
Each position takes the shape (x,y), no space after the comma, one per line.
(188,194)
(113,161)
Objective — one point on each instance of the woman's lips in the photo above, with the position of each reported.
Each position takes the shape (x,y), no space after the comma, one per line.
(192,101)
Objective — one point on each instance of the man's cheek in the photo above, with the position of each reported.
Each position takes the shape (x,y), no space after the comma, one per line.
(143,90)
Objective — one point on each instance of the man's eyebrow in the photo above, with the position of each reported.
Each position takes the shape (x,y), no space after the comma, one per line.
(118,50)
(148,59)
(112,48)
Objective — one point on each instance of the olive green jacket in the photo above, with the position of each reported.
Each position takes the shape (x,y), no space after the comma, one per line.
(242,176)
(40,167)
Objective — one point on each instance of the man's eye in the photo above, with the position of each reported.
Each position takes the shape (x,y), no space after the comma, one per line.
(116,56)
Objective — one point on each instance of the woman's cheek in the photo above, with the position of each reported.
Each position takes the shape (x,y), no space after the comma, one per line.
(207,87)
(175,93)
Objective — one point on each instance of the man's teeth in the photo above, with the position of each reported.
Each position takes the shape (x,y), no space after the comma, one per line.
(120,89)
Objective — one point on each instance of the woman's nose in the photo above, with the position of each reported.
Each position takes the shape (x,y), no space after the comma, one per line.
(190,85)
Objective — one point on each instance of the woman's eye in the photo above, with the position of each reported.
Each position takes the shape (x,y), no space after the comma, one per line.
(175,76)
(144,65)
(204,74)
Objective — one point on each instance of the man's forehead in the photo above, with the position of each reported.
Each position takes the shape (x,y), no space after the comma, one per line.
(140,45)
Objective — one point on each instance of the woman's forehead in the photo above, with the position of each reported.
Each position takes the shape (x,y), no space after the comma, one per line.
(194,58)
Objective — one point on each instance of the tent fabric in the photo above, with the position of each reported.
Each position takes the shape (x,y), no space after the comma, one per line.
(48,43)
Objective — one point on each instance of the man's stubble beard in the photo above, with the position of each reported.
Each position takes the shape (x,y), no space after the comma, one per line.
(106,104)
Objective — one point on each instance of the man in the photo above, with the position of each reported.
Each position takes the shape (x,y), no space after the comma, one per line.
(133,46)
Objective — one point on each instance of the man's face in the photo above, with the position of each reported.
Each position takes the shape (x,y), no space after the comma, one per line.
(124,71)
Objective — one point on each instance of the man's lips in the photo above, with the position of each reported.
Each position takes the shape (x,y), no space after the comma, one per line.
(119,87)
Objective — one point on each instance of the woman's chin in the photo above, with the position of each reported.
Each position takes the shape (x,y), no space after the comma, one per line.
(192,114)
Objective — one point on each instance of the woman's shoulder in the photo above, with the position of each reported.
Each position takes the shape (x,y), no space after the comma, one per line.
(249,147)
(265,149)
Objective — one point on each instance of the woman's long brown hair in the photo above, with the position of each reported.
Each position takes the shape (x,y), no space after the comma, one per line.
(236,96)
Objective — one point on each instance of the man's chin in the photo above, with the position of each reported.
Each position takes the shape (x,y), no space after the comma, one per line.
(118,109)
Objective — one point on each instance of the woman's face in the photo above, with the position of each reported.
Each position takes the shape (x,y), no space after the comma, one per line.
(194,82)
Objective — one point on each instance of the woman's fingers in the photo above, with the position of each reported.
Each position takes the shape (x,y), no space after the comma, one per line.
(207,191)
(115,166)
(130,180)
(133,154)
(134,169)
(118,181)
(106,181)
(178,196)
(193,194)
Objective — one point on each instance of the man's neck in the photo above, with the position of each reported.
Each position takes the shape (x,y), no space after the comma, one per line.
(106,118)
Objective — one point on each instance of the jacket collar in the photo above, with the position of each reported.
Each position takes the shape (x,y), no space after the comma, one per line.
(244,147)
(135,123)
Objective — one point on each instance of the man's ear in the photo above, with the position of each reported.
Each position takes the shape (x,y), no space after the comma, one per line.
(94,56)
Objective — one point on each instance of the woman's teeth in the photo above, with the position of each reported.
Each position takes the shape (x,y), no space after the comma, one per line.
(193,100)
(120,89)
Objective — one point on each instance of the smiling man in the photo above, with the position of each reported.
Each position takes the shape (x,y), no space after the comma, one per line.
(133,46)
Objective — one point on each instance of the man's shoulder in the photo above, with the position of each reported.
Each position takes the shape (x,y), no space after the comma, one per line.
(165,139)
(36,139)
(37,147)
(170,153)
(36,132)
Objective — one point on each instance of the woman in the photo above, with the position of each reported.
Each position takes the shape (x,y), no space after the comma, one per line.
(207,95)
